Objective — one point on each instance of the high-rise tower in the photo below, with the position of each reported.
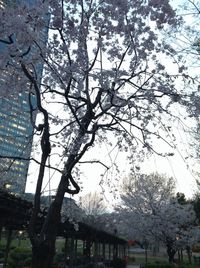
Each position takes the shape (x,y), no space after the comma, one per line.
(16,131)
(15,142)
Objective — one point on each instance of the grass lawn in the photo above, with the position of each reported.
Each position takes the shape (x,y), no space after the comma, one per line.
(158,260)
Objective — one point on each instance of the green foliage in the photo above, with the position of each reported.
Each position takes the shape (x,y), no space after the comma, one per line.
(28,261)
(1,254)
(59,258)
(164,265)
(132,259)
(181,198)
(2,250)
(118,263)
(19,257)
(196,248)
(2,247)
(161,262)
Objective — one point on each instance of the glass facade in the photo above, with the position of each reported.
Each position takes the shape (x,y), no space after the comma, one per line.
(15,142)
(15,134)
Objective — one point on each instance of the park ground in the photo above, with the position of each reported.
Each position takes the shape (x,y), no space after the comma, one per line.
(135,260)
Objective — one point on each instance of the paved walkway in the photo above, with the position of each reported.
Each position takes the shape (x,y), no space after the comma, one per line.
(132,266)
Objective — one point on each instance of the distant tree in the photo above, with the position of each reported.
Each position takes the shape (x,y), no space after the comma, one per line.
(152,213)
(94,208)
(181,198)
(105,72)
(92,204)
(187,45)
(186,38)
(196,204)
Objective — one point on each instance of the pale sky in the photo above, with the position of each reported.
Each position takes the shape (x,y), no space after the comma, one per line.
(175,166)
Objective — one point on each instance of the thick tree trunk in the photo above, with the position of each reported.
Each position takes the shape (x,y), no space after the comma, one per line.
(43,249)
(43,243)
(1,228)
(43,255)
(171,253)
(189,253)
(9,239)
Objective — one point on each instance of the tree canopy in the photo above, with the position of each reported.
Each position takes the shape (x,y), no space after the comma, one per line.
(106,69)
(152,212)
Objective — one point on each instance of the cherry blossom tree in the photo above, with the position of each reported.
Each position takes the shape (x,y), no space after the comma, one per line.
(92,204)
(186,43)
(187,38)
(95,211)
(104,71)
(151,212)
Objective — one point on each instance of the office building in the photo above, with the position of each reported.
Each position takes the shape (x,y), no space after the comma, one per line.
(15,142)
(16,133)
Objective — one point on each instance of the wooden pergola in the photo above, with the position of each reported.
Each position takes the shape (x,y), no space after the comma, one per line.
(96,244)
(15,212)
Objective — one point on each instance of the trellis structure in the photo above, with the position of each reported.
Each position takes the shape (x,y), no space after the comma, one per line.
(96,244)
(15,212)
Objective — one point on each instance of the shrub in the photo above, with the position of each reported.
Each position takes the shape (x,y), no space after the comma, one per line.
(2,250)
(131,259)
(59,257)
(118,263)
(19,257)
(2,247)
(28,261)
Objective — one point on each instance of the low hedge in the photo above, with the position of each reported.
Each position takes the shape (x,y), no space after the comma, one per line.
(118,263)
(19,257)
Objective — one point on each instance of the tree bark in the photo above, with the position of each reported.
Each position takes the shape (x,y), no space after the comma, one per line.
(43,249)
(171,253)
(72,253)
(43,243)
(9,238)
(42,255)
(1,228)
(44,246)
(189,253)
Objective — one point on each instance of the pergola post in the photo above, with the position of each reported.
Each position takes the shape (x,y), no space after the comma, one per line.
(109,251)
(119,251)
(95,249)
(99,249)
(115,250)
(9,239)
(75,249)
(1,228)
(124,251)
(87,247)
(71,260)
(103,250)
(66,249)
